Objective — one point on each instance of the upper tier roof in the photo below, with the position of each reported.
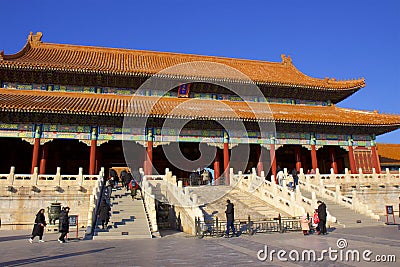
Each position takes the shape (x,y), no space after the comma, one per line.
(37,55)
(13,100)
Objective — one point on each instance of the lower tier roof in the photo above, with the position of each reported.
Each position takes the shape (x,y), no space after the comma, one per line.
(13,100)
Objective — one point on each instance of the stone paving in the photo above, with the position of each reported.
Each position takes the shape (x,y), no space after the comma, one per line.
(179,249)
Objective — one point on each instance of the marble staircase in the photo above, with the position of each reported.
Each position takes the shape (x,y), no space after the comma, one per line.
(214,199)
(345,216)
(128,218)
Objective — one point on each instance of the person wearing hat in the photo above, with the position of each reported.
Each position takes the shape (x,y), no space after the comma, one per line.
(63,226)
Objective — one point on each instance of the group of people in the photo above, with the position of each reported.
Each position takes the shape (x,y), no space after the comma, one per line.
(318,220)
(291,180)
(200,177)
(129,181)
(40,224)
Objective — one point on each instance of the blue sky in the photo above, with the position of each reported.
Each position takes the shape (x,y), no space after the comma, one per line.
(341,39)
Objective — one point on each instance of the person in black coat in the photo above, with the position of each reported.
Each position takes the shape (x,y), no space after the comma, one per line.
(38,228)
(63,227)
(230,217)
(104,213)
(322,214)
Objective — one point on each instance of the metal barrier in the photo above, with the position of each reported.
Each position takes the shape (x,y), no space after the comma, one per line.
(217,228)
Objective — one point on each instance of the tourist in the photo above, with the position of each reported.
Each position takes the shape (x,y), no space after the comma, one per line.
(315,221)
(305,224)
(290,181)
(63,227)
(38,228)
(205,177)
(133,186)
(109,186)
(322,217)
(280,176)
(104,213)
(124,175)
(295,178)
(312,171)
(128,179)
(230,218)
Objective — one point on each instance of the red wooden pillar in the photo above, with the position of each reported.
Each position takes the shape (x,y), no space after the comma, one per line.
(353,167)
(375,160)
(297,152)
(314,160)
(273,161)
(43,158)
(217,167)
(333,159)
(92,164)
(36,146)
(93,145)
(260,164)
(149,153)
(226,159)
(35,154)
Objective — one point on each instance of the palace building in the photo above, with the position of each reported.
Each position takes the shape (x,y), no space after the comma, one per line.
(64,106)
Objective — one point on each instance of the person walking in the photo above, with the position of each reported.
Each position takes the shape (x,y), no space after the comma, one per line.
(104,213)
(38,228)
(63,226)
(295,178)
(322,217)
(230,218)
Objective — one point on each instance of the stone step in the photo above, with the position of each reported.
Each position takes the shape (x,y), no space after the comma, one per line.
(128,219)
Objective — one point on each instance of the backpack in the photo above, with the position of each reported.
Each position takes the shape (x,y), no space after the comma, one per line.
(315,218)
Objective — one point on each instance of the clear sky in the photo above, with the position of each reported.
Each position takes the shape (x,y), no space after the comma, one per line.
(340,38)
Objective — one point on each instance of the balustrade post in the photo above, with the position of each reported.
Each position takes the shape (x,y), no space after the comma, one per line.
(80,176)
(57,178)
(313,200)
(338,193)
(35,176)
(308,183)
(10,176)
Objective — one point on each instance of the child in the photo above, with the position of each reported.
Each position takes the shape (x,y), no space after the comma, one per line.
(315,221)
(133,186)
(305,226)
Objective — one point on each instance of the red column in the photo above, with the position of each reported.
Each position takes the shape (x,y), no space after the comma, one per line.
(260,164)
(353,167)
(314,160)
(333,159)
(297,153)
(43,158)
(226,163)
(149,158)
(35,154)
(92,164)
(217,167)
(375,160)
(273,161)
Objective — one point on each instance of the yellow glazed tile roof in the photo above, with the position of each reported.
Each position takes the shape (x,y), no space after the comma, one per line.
(38,55)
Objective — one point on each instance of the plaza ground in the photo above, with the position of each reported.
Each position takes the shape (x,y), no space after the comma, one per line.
(179,249)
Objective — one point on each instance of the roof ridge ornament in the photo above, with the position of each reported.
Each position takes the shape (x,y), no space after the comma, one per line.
(286,60)
(35,39)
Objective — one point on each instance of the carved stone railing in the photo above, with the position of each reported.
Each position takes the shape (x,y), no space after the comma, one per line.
(81,192)
(358,179)
(94,200)
(335,195)
(281,197)
(175,195)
